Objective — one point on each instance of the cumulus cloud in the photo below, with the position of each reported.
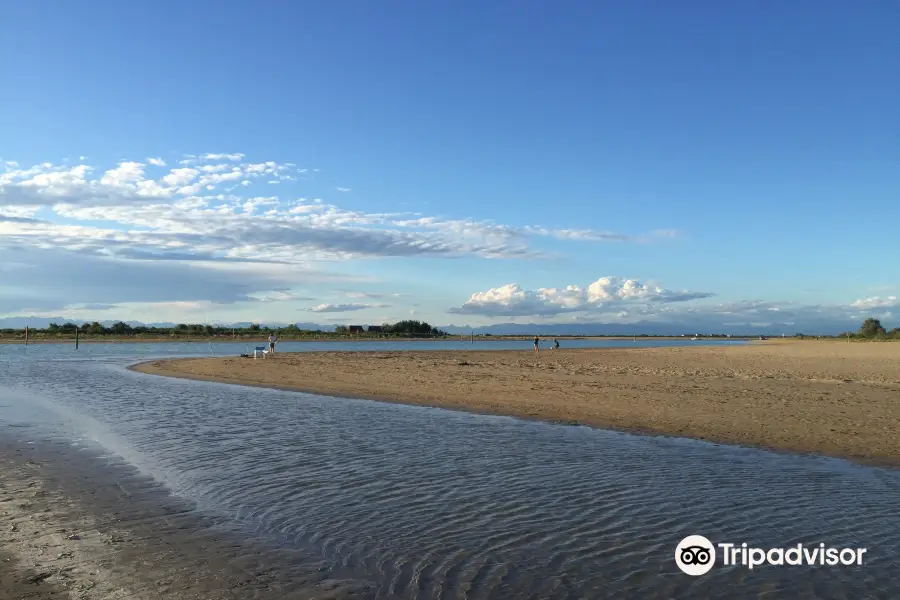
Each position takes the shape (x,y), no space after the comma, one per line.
(330,308)
(604,293)
(877,302)
(156,162)
(612,302)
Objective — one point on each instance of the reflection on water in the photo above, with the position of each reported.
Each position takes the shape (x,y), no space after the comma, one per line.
(437,504)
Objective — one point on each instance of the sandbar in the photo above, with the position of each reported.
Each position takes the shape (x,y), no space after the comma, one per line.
(826,398)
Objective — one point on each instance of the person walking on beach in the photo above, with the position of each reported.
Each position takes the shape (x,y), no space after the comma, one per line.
(272,340)
(536,341)
(556,344)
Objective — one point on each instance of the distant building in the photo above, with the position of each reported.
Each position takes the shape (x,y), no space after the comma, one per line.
(375,329)
(356,329)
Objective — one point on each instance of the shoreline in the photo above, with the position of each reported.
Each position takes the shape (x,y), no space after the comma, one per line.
(456,338)
(75,526)
(803,397)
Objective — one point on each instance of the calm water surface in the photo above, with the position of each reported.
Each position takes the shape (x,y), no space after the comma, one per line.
(437,504)
(234,348)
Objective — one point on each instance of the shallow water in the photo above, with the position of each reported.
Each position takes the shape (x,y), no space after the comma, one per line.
(100,349)
(436,504)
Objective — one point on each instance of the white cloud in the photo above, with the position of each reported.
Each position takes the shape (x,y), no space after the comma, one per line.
(665,311)
(231,157)
(206,216)
(180,177)
(469,227)
(329,308)
(22,214)
(190,200)
(214,168)
(604,293)
(352,294)
(877,302)
(343,189)
(278,296)
(125,174)
(579,234)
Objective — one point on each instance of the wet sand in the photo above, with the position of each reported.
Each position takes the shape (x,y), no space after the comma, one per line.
(829,398)
(73,526)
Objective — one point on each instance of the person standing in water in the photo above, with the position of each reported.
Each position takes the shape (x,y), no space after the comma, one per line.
(536,341)
(272,340)
(556,344)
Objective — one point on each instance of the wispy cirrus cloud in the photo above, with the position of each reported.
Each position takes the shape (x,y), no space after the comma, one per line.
(374,295)
(350,307)
(206,209)
(48,278)
(281,295)
(232,156)
(96,307)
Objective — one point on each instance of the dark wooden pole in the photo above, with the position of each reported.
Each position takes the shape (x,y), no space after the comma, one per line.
(76,338)
(26,335)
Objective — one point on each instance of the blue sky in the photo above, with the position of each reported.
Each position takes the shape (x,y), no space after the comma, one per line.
(709,163)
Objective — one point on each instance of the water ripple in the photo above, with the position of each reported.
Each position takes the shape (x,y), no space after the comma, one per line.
(432,504)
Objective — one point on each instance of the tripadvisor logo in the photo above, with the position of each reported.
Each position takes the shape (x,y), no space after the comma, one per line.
(696,555)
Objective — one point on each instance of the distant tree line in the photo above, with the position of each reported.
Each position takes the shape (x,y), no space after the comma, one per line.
(121,329)
(408,328)
(871,329)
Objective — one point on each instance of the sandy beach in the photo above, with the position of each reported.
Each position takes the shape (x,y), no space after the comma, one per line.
(829,398)
(75,527)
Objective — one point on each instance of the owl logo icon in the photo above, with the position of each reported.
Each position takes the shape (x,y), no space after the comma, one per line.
(695,555)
